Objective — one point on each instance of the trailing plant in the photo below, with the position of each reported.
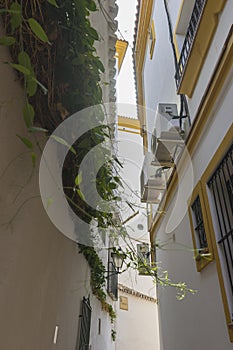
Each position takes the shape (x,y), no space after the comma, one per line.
(136,261)
(52,45)
(113,335)
(52,48)
(97,278)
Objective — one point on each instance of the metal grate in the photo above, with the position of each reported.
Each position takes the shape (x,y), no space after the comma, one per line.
(221,187)
(112,281)
(199,228)
(85,325)
(189,38)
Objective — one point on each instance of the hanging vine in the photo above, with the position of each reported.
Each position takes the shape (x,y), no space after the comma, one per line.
(52,48)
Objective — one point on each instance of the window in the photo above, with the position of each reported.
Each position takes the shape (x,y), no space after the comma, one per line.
(221,192)
(112,279)
(199,225)
(99,326)
(85,325)
(218,193)
(200,229)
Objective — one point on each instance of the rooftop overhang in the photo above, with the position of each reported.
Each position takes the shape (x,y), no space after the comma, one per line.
(121,48)
(143,18)
(129,125)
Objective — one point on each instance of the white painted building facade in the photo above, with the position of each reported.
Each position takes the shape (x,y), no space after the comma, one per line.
(137,325)
(204,319)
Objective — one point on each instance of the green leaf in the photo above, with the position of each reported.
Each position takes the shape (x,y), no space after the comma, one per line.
(86,143)
(25,60)
(20,68)
(31,85)
(38,30)
(81,195)
(53,2)
(91,6)
(100,66)
(10,11)
(118,180)
(16,17)
(117,198)
(7,40)
(27,142)
(33,156)
(35,128)
(63,142)
(78,179)
(93,33)
(112,185)
(28,114)
(44,89)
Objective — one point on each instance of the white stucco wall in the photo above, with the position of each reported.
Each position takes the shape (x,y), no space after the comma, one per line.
(43,277)
(130,150)
(159,82)
(101,339)
(216,47)
(198,320)
(137,328)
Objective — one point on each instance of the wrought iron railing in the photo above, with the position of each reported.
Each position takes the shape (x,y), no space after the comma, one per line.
(112,281)
(221,187)
(85,325)
(189,38)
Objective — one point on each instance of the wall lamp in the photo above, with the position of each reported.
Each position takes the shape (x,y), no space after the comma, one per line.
(117,261)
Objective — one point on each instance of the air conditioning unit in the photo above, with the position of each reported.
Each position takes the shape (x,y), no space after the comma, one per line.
(153,182)
(167,138)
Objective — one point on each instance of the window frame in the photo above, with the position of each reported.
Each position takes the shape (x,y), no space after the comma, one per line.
(112,278)
(201,260)
(211,168)
(83,340)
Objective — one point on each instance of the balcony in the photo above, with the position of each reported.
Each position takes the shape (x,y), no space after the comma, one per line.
(202,26)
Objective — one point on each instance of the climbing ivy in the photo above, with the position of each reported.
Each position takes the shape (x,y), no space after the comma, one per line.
(97,278)
(52,49)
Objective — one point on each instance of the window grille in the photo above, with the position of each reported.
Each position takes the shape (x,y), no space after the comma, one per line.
(189,38)
(199,227)
(112,281)
(221,189)
(85,325)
